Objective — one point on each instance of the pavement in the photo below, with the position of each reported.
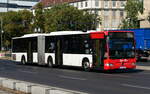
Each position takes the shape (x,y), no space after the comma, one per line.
(5,92)
(143,65)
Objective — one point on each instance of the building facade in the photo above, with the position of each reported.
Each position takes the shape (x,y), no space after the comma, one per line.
(144,23)
(15,5)
(111,11)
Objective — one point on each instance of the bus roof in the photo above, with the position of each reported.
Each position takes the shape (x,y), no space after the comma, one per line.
(58,33)
(31,35)
(51,34)
(67,33)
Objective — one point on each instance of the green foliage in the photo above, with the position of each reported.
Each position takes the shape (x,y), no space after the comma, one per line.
(148,17)
(132,8)
(65,17)
(58,18)
(39,18)
(16,24)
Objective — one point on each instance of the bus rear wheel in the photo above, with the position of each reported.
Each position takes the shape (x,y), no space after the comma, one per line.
(50,63)
(86,66)
(23,61)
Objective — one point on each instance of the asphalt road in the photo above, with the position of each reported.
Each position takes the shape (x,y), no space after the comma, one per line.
(95,82)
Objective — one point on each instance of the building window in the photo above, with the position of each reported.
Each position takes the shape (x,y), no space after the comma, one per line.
(106,3)
(114,3)
(96,3)
(86,4)
(81,4)
(121,13)
(122,3)
(71,4)
(96,12)
(106,13)
(77,4)
(114,23)
(114,14)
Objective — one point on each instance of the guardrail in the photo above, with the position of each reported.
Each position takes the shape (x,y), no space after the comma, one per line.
(32,88)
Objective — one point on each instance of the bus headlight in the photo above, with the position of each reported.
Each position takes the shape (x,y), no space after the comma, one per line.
(109,64)
(133,64)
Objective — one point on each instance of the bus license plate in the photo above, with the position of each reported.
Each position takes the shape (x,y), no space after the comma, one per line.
(122,67)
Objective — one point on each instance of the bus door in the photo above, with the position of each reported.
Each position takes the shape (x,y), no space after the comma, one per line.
(58,53)
(29,52)
(99,51)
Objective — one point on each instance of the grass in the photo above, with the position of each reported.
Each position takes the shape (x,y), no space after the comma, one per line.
(12,91)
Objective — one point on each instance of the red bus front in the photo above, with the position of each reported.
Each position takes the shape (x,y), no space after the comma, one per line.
(115,51)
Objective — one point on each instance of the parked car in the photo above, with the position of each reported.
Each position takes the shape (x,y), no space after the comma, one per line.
(142,55)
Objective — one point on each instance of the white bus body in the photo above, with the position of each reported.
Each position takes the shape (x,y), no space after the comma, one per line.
(23,49)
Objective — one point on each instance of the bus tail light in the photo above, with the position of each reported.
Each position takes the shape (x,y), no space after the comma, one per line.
(14,56)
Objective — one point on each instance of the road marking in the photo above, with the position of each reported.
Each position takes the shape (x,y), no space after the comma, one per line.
(136,86)
(116,75)
(146,73)
(28,72)
(73,78)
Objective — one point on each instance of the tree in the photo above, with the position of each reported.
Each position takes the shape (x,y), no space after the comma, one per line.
(148,17)
(132,8)
(27,18)
(16,24)
(39,18)
(64,17)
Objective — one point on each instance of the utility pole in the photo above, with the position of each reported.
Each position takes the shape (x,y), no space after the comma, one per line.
(1,34)
(7,5)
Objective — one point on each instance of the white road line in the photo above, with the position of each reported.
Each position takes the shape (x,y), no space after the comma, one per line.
(28,72)
(136,86)
(117,75)
(146,73)
(73,78)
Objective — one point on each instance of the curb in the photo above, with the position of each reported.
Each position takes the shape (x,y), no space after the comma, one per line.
(32,88)
(143,67)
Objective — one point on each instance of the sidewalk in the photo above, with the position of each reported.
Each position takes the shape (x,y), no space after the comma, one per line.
(143,65)
(4,92)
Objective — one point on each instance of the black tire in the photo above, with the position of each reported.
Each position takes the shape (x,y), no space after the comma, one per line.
(23,60)
(86,65)
(50,63)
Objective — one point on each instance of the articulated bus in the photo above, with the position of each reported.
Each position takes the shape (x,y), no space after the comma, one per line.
(107,50)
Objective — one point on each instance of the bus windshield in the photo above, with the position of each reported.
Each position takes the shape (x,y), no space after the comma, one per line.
(121,48)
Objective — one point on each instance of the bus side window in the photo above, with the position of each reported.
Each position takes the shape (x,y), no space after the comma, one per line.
(87,47)
(52,47)
(65,46)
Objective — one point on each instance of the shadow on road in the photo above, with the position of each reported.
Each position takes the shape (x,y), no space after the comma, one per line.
(93,70)
(120,71)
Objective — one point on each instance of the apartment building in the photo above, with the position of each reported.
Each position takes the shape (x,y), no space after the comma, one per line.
(15,5)
(111,11)
(144,23)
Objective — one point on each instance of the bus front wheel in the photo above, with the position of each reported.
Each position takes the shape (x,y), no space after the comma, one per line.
(86,65)
(23,61)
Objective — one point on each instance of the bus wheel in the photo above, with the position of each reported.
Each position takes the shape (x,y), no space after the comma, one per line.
(86,65)
(50,62)
(23,61)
